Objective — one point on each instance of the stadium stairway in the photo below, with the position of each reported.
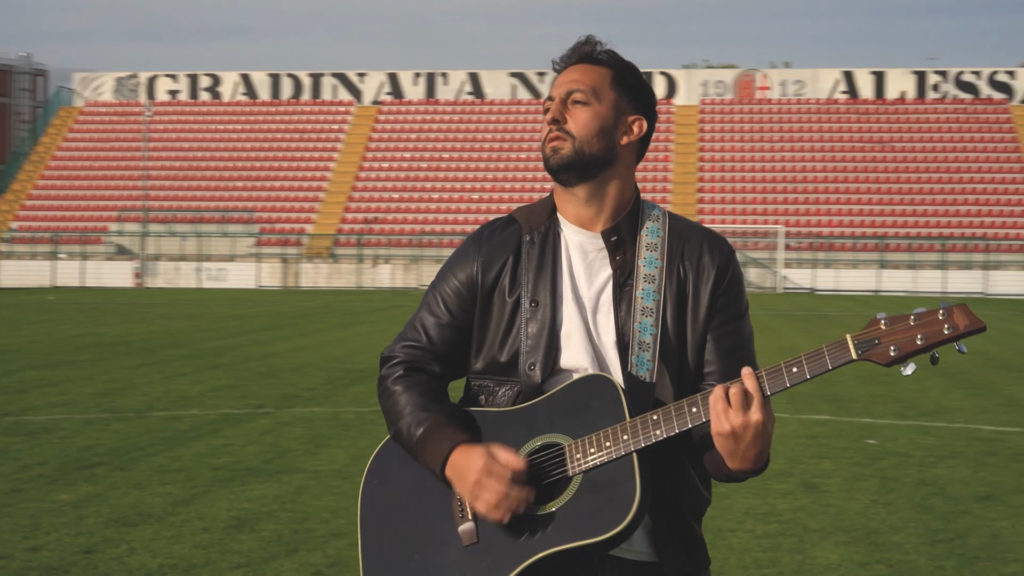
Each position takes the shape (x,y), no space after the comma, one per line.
(20,188)
(684,181)
(1018,119)
(340,186)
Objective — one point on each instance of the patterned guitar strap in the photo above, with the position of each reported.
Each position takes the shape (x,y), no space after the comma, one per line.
(649,283)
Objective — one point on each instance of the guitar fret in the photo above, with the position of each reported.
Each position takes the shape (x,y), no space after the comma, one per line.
(774,380)
(623,434)
(763,381)
(572,449)
(794,371)
(625,437)
(637,432)
(592,453)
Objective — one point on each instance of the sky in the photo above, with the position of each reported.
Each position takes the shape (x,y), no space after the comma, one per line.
(339,35)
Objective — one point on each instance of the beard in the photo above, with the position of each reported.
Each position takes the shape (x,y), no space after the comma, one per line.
(582,163)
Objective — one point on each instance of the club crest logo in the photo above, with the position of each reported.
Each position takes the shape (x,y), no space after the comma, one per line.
(752,83)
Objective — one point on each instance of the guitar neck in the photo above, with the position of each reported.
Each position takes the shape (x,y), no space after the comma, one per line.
(610,443)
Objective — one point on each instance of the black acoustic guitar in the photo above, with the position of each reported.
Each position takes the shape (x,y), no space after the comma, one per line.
(581,448)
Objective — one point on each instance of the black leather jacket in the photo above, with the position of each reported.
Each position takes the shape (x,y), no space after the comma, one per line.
(491,315)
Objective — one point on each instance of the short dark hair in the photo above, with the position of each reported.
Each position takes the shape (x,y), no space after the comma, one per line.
(627,81)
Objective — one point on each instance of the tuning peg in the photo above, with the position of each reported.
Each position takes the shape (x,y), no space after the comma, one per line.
(960,347)
(933,358)
(882,319)
(908,368)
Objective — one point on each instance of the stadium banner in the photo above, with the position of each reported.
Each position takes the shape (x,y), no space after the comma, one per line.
(681,86)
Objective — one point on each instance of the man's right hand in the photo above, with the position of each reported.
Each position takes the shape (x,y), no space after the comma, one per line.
(491,477)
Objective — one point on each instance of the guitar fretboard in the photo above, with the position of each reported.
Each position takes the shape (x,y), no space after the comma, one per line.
(610,443)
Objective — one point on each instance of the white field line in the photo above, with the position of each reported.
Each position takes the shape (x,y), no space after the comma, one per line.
(902,422)
(182,413)
(179,413)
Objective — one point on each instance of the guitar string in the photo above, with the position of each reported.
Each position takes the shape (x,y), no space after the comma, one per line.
(551,459)
(817,365)
(557,468)
(553,470)
(551,465)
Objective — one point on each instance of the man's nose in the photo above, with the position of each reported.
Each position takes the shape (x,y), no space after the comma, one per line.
(554,116)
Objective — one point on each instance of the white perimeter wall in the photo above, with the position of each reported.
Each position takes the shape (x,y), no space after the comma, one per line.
(418,274)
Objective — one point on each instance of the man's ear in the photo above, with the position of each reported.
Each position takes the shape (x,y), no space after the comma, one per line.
(634,129)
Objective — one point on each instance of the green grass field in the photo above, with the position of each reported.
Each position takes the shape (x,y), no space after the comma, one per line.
(225,432)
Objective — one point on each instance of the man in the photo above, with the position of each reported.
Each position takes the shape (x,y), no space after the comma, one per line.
(535,298)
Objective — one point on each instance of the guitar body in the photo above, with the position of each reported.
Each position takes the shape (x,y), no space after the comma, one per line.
(406,519)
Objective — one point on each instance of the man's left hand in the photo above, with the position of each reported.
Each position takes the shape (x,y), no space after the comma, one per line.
(742,422)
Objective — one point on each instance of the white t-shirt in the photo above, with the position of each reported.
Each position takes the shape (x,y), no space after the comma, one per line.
(587,334)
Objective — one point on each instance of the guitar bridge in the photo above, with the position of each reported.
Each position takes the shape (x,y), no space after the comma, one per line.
(465,522)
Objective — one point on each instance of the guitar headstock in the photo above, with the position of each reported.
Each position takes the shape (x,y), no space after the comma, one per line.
(895,339)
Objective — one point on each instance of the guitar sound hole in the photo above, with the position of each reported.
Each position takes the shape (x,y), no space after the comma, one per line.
(549,477)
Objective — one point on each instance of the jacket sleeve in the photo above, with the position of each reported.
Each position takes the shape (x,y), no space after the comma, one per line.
(427,355)
(728,334)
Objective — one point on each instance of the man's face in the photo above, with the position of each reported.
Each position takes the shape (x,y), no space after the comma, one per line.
(579,139)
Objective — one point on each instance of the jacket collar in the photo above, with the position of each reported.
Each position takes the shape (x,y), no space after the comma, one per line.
(532,216)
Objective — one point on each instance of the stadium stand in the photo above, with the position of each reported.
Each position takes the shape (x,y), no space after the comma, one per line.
(940,174)
(256,167)
(904,169)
